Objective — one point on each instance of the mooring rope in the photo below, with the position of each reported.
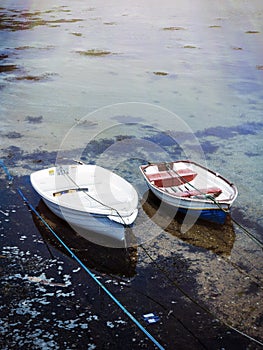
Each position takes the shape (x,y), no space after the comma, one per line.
(138,324)
(92,275)
(8,175)
(188,296)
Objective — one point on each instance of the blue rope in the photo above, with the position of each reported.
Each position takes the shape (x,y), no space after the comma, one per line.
(9,176)
(91,274)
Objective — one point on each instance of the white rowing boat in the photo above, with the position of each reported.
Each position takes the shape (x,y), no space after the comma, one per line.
(88,197)
(190,187)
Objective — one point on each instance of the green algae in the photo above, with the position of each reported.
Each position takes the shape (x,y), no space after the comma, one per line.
(189,47)
(8,68)
(173,28)
(110,23)
(252,32)
(94,52)
(25,20)
(76,34)
(160,73)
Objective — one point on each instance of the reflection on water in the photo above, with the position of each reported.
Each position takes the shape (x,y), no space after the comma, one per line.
(217,238)
(121,261)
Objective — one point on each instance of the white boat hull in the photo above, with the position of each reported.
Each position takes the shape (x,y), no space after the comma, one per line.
(88,197)
(96,223)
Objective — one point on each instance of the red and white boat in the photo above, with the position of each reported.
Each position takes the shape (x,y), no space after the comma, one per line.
(191,188)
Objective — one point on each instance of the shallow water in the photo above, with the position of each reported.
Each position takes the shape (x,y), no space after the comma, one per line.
(121,84)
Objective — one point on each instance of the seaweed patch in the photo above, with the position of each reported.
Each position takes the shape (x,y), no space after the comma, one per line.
(3,56)
(252,32)
(223,132)
(190,47)
(6,68)
(14,20)
(87,123)
(13,152)
(27,47)
(94,52)
(173,28)
(34,120)
(32,78)
(162,139)
(76,33)
(252,154)
(95,147)
(110,23)
(13,135)
(160,73)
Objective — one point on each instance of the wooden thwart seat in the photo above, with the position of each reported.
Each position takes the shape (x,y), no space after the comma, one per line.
(71,190)
(216,191)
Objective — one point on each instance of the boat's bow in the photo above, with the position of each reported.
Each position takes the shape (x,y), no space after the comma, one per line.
(124,220)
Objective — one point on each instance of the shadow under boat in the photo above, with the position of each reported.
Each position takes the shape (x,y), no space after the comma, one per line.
(106,258)
(208,235)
